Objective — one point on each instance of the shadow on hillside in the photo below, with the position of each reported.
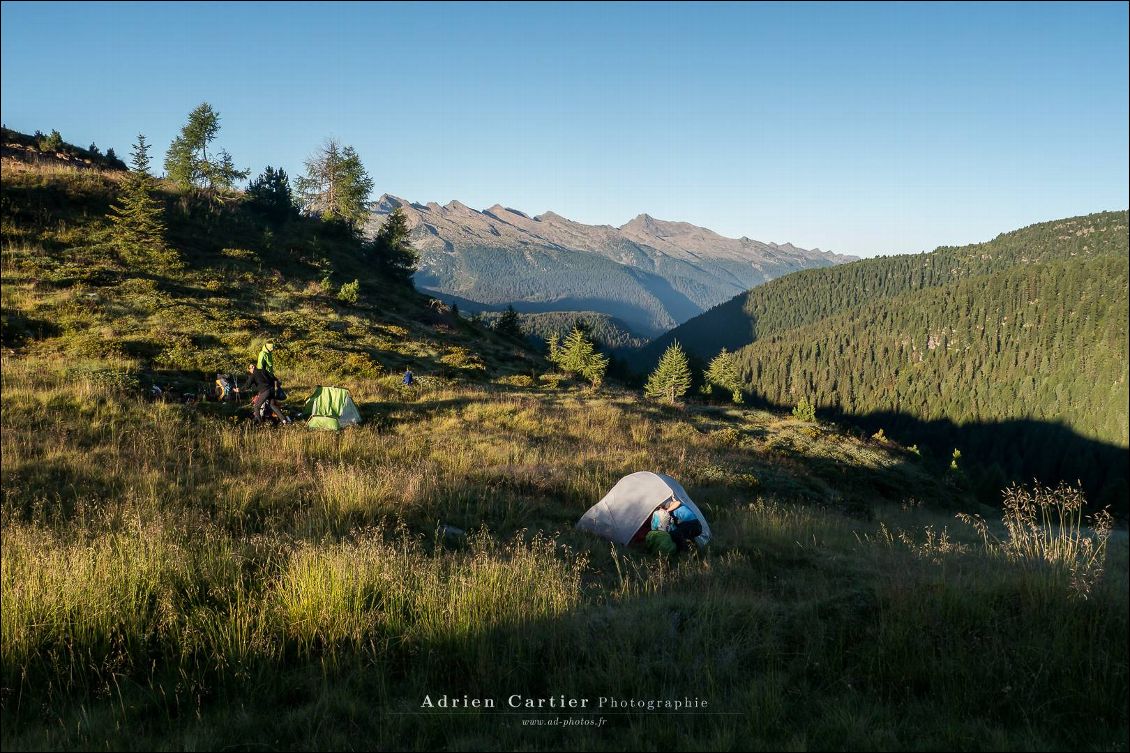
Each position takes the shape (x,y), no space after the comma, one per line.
(995,454)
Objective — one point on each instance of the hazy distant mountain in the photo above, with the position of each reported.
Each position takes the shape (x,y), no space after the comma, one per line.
(649,273)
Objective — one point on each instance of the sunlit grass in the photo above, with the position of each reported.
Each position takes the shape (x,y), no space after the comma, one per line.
(171,577)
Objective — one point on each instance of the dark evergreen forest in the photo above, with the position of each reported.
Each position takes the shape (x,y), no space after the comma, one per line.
(1013,351)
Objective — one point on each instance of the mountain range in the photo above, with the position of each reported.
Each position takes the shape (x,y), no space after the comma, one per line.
(651,274)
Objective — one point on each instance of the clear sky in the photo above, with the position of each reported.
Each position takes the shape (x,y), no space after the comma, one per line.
(862,129)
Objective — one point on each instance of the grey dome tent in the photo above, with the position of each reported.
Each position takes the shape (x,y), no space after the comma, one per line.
(331,408)
(628,506)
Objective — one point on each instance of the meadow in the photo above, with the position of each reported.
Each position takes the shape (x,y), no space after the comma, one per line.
(173,578)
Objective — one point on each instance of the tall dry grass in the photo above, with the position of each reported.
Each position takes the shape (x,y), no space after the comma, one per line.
(172,578)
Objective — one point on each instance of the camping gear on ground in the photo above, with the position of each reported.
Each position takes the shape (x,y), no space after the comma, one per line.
(624,515)
(225,388)
(331,408)
(660,542)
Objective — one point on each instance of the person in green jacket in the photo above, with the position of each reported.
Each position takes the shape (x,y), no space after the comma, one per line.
(267,359)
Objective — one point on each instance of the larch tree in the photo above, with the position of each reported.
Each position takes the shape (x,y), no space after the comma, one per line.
(187,162)
(335,185)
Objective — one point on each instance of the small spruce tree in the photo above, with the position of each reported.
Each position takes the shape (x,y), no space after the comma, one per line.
(137,219)
(723,371)
(553,345)
(671,378)
(509,324)
(577,356)
(393,250)
(804,410)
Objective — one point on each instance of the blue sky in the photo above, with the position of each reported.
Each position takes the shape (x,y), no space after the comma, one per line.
(858,128)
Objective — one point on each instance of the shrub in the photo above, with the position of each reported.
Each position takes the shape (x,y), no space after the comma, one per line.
(727,437)
(91,344)
(350,292)
(116,380)
(362,365)
(552,380)
(516,380)
(461,358)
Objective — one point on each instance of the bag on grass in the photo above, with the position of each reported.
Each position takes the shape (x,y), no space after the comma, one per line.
(660,542)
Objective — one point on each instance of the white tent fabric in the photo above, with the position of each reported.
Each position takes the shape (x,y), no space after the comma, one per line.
(349,416)
(630,503)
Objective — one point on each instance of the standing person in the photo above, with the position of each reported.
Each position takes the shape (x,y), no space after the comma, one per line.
(266,360)
(263,384)
(408,380)
(685,525)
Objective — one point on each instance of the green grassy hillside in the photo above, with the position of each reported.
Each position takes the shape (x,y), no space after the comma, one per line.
(174,578)
(243,279)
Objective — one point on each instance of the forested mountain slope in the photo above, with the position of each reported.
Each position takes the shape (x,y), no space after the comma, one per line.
(1013,351)
(810,295)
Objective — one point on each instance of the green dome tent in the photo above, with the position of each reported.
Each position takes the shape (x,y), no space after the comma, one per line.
(331,408)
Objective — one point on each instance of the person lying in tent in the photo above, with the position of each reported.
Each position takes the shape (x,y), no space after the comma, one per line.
(682,522)
(263,384)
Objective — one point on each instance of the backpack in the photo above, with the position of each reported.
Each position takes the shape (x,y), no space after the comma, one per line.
(225,387)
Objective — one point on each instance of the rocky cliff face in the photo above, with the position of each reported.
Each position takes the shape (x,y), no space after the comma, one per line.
(651,273)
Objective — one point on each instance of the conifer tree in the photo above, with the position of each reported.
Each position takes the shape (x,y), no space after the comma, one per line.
(137,218)
(393,250)
(187,162)
(723,371)
(509,324)
(553,345)
(336,186)
(270,194)
(578,356)
(671,378)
